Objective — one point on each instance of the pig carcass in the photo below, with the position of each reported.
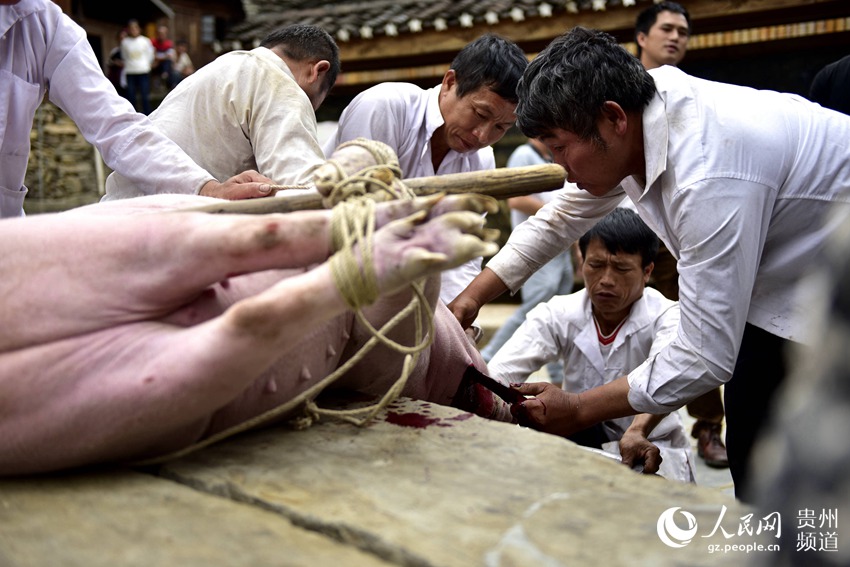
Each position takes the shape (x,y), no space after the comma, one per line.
(134,328)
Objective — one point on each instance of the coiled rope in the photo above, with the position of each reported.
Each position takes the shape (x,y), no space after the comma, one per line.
(352,200)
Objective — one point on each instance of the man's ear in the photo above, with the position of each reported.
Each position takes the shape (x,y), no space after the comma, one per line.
(318,69)
(647,271)
(614,114)
(640,38)
(449,80)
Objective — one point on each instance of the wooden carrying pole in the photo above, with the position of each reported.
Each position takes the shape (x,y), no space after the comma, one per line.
(501,183)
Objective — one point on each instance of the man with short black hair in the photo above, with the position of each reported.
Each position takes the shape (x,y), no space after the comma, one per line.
(661,33)
(252,109)
(601,331)
(745,188)
(449,128)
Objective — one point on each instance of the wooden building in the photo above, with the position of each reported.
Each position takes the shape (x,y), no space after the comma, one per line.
(774,44)
(203,23)
(777,44)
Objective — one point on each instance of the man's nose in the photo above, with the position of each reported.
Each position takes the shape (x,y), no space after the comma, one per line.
(483,133)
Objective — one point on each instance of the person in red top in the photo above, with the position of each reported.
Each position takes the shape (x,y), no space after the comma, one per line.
(164,56)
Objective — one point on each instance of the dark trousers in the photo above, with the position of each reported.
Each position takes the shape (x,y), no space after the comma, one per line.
(759,371)
(139,84)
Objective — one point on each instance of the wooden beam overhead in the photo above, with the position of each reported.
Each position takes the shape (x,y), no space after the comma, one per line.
(534,33)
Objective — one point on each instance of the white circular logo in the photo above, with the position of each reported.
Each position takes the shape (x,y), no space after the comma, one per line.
(671,534)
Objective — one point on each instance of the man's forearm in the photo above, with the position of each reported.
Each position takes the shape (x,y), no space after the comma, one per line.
(486,287)
(644,423)
(602,403)
(526,204)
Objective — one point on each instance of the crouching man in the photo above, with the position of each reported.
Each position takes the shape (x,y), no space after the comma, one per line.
(601,333)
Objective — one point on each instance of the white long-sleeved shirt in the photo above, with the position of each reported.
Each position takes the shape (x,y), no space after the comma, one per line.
(42,50)
(404,117)
(563,329)
(740,185)
(242,111)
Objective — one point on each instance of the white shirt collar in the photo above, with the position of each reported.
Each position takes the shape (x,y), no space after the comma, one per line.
(433,116)
(10,15)
(655,135)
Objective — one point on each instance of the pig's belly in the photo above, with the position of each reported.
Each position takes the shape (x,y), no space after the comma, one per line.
(435,377)
(300,366)
(316,356)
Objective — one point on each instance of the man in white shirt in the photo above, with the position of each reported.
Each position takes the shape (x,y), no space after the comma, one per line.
(42,46)
(602,331)
(251,109)
(743,186)
(661,34)
(446,129)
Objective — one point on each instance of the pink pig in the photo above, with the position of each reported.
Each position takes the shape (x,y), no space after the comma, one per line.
(130,330)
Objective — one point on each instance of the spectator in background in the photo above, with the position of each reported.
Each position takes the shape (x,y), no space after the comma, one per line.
(662,32)
(115,66)
(137,53)
(163,57)
(554,278)
(831,86)
(183,66)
